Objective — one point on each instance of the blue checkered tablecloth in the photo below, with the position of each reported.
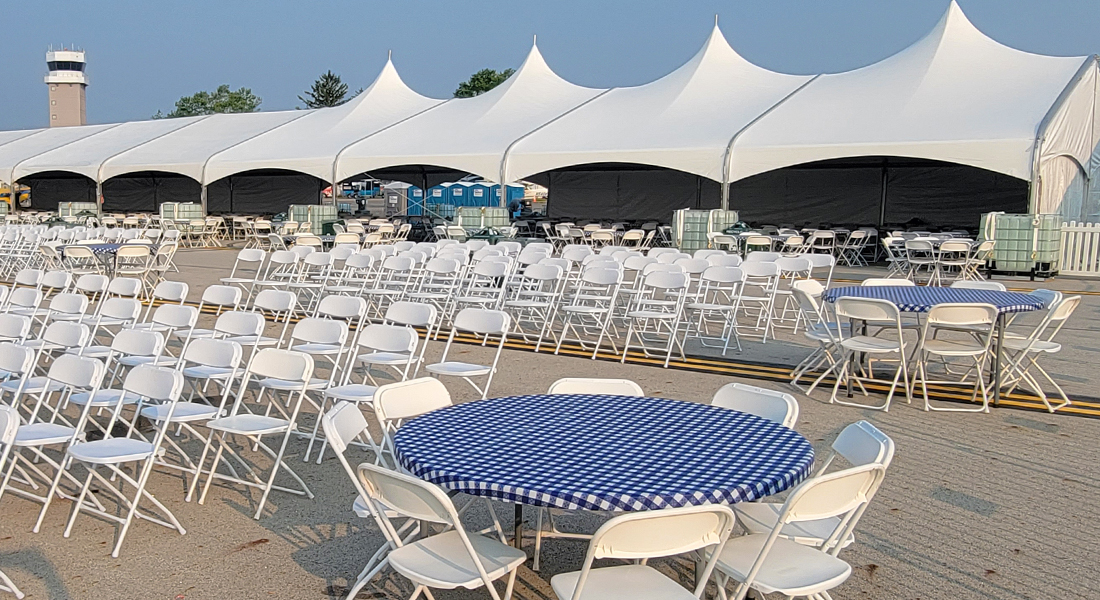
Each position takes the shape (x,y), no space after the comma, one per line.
(102,249)
(923,298)
(599,452)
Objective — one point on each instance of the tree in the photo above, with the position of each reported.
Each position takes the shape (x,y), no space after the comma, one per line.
(327,91)
(481,82)
(221,100)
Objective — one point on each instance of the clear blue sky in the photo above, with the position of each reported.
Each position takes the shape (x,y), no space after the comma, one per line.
(143,55)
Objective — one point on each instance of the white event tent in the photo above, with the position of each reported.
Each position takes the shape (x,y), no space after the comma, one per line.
(954,125)
(470,135)
(955,96)
(658,124)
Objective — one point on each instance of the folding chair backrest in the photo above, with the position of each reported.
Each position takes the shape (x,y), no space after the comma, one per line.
(69,303)
(966,314)
(406,399)
(861,443)
(16,359)
(9,425)
(171,291)
(342,307)
(239,323)
(274,300)
(223,295)
(67,334)
(658,533)
(77,371)
(342,424)
(483,321)
(416,314)
(155,383)
(388,338)
(867,309)
(224,354)
(138,342)
(30,277)
(121,308)
(666,280)
(762,256)
(967,284)
(725,260)
(537,272)
(812,287)
(581,385)
(92,283)
(886,282)
(1049,297)
(408,496)
(287,365)
(176,316)
(57,280)
(14,327)
(1065,308)
(129,287)
(776,406)
(315,330)
(760,269)
(831,494)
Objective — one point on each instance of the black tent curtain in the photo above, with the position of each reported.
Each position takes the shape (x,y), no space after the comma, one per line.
(146,191)
(838,192)
(51,188)
(616,191)
(265,192)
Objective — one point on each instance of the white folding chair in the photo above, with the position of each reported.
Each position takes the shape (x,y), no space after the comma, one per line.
(447,560)
(394,403)
(583,385)
(481,323)
(763,561)
(648,534)
(591,306)
(268,366)
(773,405)
(859,444)
(9,426)
(1040,342)
(343,425)
(46,427)
(150,385)
(887,316)
(978,321)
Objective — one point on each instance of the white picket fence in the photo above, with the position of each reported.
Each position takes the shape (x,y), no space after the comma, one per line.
(1080,249)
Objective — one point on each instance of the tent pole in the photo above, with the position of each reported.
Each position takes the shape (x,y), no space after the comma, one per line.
(202,198)
(882,200)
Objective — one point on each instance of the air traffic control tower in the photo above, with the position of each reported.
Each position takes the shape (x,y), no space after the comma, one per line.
(67,82)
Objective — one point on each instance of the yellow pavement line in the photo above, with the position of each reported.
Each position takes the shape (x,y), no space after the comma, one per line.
(775,373)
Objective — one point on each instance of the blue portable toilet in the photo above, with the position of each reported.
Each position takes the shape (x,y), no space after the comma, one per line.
(515,193)
(460,193)
(481,193)
(439,194)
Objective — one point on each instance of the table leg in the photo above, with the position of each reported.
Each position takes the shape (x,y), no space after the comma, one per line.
(517,540)
(998,356)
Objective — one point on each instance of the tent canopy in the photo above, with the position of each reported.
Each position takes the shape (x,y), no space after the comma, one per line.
(186,150)
(86,155)
(661,123)
(43,140)
(311,144)
(470,135)
(955,95)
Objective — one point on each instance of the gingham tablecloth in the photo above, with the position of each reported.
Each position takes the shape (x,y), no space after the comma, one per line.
(102,249)
(599,452)
(923,298)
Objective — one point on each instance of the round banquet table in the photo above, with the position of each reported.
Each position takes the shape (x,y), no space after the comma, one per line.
(601,452)
(921,299)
